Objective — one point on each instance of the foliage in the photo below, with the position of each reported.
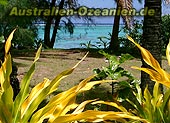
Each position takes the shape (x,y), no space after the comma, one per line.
(88,45)
(27,32)
(68,26)
(61,108)
(114,71)
(38,42)
(154,107)
(24,38)
(3,2)
(135,32)
(165,26)
(103,41)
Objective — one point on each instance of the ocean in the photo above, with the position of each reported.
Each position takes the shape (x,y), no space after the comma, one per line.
(83,34)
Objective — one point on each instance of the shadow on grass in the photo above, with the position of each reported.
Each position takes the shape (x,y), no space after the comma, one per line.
(97,92)
(21,64)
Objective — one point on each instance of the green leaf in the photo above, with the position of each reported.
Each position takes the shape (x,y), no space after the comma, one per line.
(148,105)
(124,84)
(3,2)
(5,114)
(105,54)
(125,57)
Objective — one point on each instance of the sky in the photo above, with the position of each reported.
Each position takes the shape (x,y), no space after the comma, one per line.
(112,4)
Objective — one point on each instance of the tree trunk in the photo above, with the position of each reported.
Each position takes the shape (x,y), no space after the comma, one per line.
(114,43)
(151,38)
(47,41)
(57,22)
(47,31)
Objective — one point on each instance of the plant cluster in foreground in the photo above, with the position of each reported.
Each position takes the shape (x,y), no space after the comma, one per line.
(62,108)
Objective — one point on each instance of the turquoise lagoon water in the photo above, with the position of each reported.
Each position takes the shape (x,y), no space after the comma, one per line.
(82,34)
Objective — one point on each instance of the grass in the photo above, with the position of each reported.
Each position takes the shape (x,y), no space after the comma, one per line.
(53,62)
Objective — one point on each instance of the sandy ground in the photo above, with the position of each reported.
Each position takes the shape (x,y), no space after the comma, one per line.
(53,62)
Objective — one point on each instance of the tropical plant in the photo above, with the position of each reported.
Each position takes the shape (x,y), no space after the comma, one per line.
(114,71)
(88,45)
(103,41)
(153,106)
(61,108)
(13,77)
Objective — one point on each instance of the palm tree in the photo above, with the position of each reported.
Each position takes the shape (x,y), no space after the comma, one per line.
(151,38)
(121,4)
(49,41)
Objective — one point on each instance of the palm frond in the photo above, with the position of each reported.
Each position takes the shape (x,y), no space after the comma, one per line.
(126,4)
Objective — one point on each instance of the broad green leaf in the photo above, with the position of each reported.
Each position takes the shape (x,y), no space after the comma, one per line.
(125,57)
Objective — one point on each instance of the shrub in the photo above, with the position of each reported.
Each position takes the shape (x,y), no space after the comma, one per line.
(114,71)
